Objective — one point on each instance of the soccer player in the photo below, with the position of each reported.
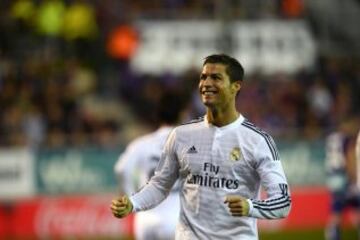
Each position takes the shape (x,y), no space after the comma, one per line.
(342,176)
(220,160)
(137,164)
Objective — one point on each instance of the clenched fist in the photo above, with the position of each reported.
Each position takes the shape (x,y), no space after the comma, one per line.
(238,205)
(121,207)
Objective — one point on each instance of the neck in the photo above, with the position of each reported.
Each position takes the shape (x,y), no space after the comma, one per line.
(163,125)
(221,117)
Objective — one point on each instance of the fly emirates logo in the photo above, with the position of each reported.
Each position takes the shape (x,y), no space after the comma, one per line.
(210,178)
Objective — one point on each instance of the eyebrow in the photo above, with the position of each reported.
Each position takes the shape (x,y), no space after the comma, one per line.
(211,75)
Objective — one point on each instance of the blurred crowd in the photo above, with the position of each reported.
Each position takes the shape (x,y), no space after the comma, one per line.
(306,105)
(59,87)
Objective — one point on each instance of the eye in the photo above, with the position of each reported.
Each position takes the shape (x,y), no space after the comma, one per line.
(216,77)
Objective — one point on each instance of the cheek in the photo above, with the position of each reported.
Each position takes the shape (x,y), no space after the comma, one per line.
(227,93)
(200,86)
(199,90)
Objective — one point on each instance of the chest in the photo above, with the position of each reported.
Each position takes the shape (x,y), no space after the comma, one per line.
(214,154)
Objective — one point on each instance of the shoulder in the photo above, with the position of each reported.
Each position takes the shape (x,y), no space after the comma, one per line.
(187,129)
(258,136)
(193,121)
(190,125)
(332,136)
(254,131)
(141,141)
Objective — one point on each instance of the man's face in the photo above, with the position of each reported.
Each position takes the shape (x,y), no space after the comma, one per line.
(215,87)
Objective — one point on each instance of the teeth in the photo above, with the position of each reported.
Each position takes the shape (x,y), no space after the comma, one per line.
(208,92)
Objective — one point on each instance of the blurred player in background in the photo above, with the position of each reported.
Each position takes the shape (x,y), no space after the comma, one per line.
(137,164)
(342,176)
(221,161)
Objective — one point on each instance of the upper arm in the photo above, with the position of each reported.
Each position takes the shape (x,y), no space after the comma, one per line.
(277,204)
(270,169)
(167,170)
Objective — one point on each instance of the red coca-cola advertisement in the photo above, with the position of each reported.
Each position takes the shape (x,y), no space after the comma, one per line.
(68,216)
(4,224)
(90,216)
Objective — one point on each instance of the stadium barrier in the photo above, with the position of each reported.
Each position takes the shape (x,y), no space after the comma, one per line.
(89,216)
(67,192)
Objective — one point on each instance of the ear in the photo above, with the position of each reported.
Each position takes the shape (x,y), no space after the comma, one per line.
(235,86)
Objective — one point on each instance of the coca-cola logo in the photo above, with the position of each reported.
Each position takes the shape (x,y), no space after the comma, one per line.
(79,217)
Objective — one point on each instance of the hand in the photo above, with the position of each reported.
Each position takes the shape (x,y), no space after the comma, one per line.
(121,207)
(238,205)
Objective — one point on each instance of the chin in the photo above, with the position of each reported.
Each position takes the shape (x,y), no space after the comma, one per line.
(208,104)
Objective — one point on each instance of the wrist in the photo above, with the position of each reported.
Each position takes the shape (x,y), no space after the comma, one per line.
(134,207)
(251,206)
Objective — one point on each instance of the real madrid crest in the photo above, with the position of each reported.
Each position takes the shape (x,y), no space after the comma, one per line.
(235,154)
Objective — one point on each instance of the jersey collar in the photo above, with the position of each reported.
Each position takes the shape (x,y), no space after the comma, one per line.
(232,125)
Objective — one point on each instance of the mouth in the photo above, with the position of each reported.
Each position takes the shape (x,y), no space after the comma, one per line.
(208,93)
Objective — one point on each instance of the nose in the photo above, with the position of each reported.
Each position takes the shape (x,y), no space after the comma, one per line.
(207,81)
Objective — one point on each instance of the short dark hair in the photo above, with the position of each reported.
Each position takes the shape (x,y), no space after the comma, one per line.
(233,67)
(170,106)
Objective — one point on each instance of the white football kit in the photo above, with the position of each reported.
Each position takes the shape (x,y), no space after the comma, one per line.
(213,162)
(335,161)
(134,169)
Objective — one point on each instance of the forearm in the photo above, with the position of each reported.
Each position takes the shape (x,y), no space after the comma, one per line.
(273,181)
(159,186)
(147,198)
(278,206)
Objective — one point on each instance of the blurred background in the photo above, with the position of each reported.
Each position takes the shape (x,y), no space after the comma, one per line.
(79,79)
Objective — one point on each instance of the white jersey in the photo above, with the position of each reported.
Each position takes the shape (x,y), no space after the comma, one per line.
(213,162)
(335,152)
(335,160)
(134,169)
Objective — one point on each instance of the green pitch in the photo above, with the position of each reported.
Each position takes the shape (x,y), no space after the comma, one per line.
(349,234)
(308,235)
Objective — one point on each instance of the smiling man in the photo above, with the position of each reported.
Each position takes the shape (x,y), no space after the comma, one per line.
(221,161)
